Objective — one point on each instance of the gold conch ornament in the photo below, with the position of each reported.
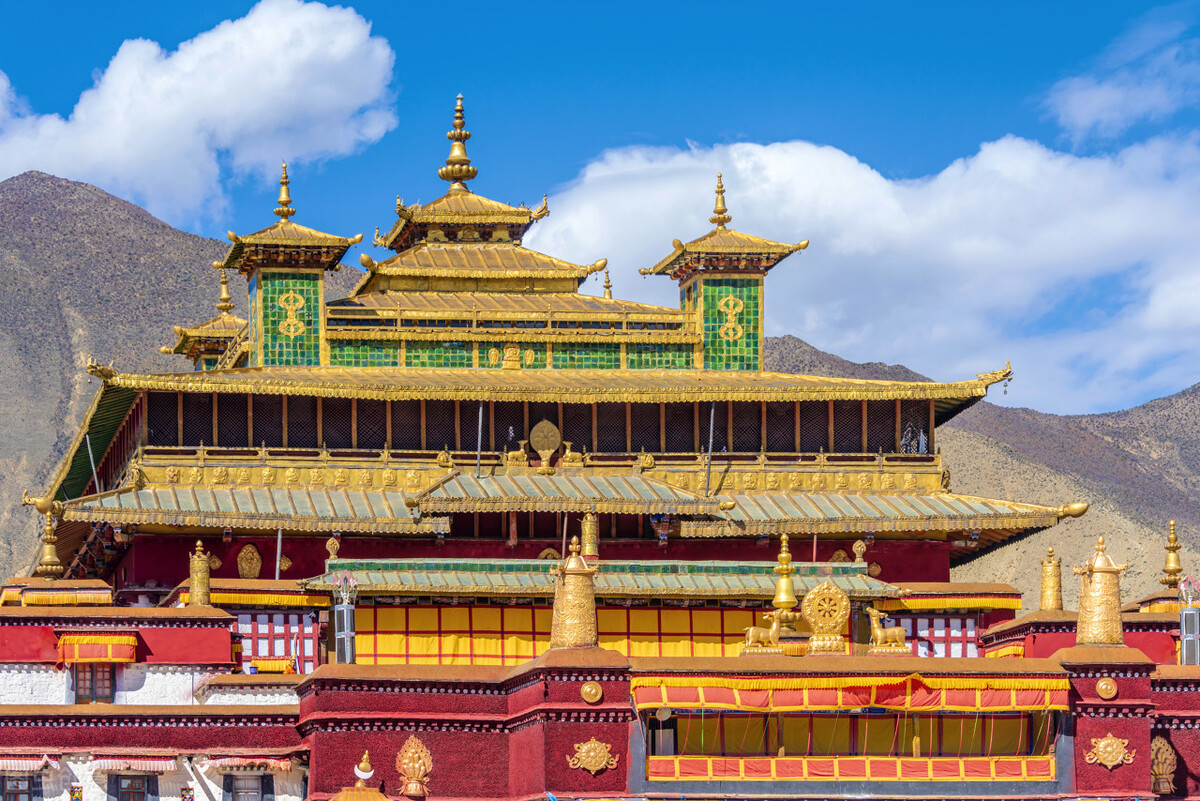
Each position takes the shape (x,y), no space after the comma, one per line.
(1110,752)
(593,756)
(1163,764)
(414,764)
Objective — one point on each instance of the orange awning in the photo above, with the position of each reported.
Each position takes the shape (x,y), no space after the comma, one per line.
(829,693)
(97,647)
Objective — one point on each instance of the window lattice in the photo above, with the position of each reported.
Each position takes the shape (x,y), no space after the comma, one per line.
(644,423)
(337,423)
(914,426)
(577,426)
(268,420)
(197,419)
(681,428)
(610,427)
(719,427)
(510,425)
(162,421)
(372,424)
(468,422)
(302,422)
(439,425)
(847,426)
(781,428)
(406,425)
(747,427)
(881,426)
(232,421)
(814,426)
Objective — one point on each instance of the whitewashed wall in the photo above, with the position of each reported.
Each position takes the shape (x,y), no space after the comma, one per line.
(159,684)
(76,769)
(247,695)
(22,683)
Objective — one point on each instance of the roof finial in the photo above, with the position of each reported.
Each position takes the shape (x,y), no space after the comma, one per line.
(1051,581)
(607,285)
(285,199)
(225,300)
(1173,567)
(458,165)
(720,213)
(363,770)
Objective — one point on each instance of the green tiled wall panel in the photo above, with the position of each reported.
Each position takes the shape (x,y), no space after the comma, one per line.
(303,349)
(364,354)
(539,354)
(658,357)
(437,354)
(592,356)
(721,353)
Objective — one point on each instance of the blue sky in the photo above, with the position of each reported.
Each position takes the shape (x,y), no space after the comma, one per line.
(979,183)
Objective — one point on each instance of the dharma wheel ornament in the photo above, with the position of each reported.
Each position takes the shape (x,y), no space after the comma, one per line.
(414,763)
(593,756)
(826,609)
(1110,752)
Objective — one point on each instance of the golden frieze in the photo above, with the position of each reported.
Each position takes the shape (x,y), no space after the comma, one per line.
(593,756)
(220,475)
(196,475)
(1110,752)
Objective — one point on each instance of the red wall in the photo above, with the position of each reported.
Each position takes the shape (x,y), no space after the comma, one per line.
(29,643)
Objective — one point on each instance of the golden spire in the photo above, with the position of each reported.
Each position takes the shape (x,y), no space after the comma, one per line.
(1100,600)
(285,210)
(363,770)
(573,623)
(607,285)
(1173,567)
(49,566)
(720,213)
(458,165)
(1051,581)
(225,300)
(785,587)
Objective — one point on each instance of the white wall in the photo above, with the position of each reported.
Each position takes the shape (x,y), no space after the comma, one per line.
(248,695)
(159,684)
(76,769)
(22,683)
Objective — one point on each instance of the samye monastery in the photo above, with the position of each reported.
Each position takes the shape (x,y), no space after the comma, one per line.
(470,533)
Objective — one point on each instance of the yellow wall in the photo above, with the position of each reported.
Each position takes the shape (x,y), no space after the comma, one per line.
(509,635)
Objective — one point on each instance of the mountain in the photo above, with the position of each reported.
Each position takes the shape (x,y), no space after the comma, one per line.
(84,272)
(88,273)
(1137,468)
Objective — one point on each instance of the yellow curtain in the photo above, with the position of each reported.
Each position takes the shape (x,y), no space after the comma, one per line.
(876,734)
(745,735)
(1043,733)
(789,732)
(831,735)
(923,726)
(698,734)
(962,735)
(1005,735)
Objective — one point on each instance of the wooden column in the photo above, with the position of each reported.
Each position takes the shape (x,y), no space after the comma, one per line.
(932,423)
(762,438)
(560,418)
(696,425)
(320,423)
(896,447)
(729,427)
(144,432)
(179,419)
(796,423)
(864,426)
(250,420)
(422,423)
(628,428)
(387,436)
(525,418)
(662,428)
(492,425)
(457,427)
(213,444)
(354,422)
(829,446)
(284,439)
(595,435)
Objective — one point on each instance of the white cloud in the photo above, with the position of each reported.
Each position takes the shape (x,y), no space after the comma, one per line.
(1083,271)
(1146,75)
(290,80)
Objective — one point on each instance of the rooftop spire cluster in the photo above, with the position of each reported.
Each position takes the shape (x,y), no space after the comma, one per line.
(458,167)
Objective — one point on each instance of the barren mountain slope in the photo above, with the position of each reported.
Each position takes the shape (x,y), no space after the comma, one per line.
(84,272)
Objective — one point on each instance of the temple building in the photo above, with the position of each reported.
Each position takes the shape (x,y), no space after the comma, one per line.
(472,532)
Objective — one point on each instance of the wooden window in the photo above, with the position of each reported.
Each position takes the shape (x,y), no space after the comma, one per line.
(93,683)
(278,635)
(941,635)
(131,788)
(247,788)
(16,788)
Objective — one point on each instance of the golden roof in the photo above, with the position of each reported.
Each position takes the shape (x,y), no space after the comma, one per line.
(740,251)
(459,207)
(222,328)
(478,260)
(568,386)
(518,305)
(287,240)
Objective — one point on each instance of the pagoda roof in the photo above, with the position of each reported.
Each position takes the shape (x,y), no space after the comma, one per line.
(458,208)
(534,578)
(723,248)
(297,508)
(218,331)
(567,386)
(517,304)
(481,260)
(286,241)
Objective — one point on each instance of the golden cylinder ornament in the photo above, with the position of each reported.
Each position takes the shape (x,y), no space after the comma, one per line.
(199,585)
(1051,582)
(589,531)
(1100,600)
(573,624)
